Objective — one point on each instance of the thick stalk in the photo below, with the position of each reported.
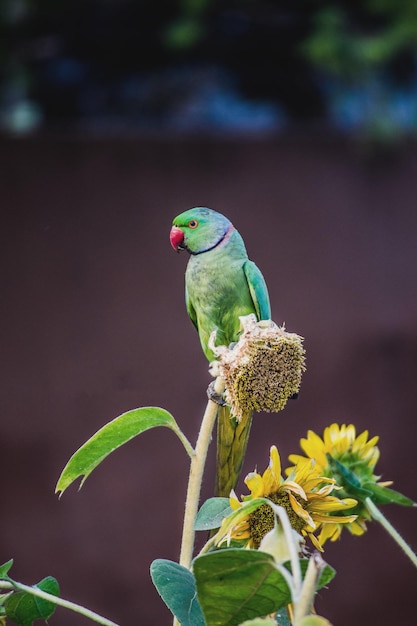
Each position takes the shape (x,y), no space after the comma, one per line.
(197,465)
(198,461)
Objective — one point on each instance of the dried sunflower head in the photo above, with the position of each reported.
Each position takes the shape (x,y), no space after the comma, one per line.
(263,369)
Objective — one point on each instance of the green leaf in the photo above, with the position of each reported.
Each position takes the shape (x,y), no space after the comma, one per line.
(176,586)
(350,482)
(237,585)
(184,33)
(384,495)
(242,513)
(23,608)
(212,513)
(113,435)
(4,569)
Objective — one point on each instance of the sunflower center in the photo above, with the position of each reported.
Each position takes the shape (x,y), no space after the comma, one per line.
(261,521)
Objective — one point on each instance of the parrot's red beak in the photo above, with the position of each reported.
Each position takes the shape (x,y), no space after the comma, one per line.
(176,237)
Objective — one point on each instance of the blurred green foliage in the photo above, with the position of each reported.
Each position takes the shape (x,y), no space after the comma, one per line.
(187,29)
(351,44)
(334,62)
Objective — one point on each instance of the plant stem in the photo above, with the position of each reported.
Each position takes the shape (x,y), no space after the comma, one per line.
(208,545)
(198,461)
(305,601)
(380,517)
(187,445)
(293,550)
(35,591)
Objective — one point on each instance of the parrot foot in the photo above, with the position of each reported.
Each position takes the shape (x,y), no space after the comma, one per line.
(294,396)
(214,396)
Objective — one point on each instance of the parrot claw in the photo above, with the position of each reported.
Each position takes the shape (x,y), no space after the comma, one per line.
(214,396)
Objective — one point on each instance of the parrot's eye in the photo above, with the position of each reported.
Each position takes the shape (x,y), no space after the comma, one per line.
(192,224)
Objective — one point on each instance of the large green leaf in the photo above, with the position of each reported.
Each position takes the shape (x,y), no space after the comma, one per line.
(211,513)
(176,586)
(113,435)
(237,585)
(23,608)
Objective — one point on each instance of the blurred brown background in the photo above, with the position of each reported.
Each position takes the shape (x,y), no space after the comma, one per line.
(93,323)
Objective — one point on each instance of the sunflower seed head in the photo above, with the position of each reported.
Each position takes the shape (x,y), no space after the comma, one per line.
(263,369)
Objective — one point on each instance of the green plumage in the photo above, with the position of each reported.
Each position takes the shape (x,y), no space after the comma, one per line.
(221,284)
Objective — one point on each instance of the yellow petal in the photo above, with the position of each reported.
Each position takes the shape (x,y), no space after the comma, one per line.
(298,460)
(239,534)
(330,434)
(360,441)
(326,490)
(307,474)
(335,519)
(233,501)
(313,446)
(329,531)
(358,527)
(312,483)
(385,483)
(315,542)
(331,504)
(290,485)
(272,475)
(255,484)
(372,442)
(298,509)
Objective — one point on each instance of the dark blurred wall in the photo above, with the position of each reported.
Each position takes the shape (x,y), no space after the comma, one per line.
(93,323)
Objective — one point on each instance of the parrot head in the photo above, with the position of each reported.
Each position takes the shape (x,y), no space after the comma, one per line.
(199,230)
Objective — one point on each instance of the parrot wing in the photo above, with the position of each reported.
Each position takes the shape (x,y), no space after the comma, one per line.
(190,309)
(258,290)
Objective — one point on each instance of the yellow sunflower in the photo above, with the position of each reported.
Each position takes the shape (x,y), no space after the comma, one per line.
(350,460)
(304,495)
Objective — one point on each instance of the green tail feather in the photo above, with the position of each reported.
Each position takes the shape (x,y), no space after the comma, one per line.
(232,441)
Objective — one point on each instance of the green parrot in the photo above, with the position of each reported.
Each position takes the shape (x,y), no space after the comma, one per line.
(221,284)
